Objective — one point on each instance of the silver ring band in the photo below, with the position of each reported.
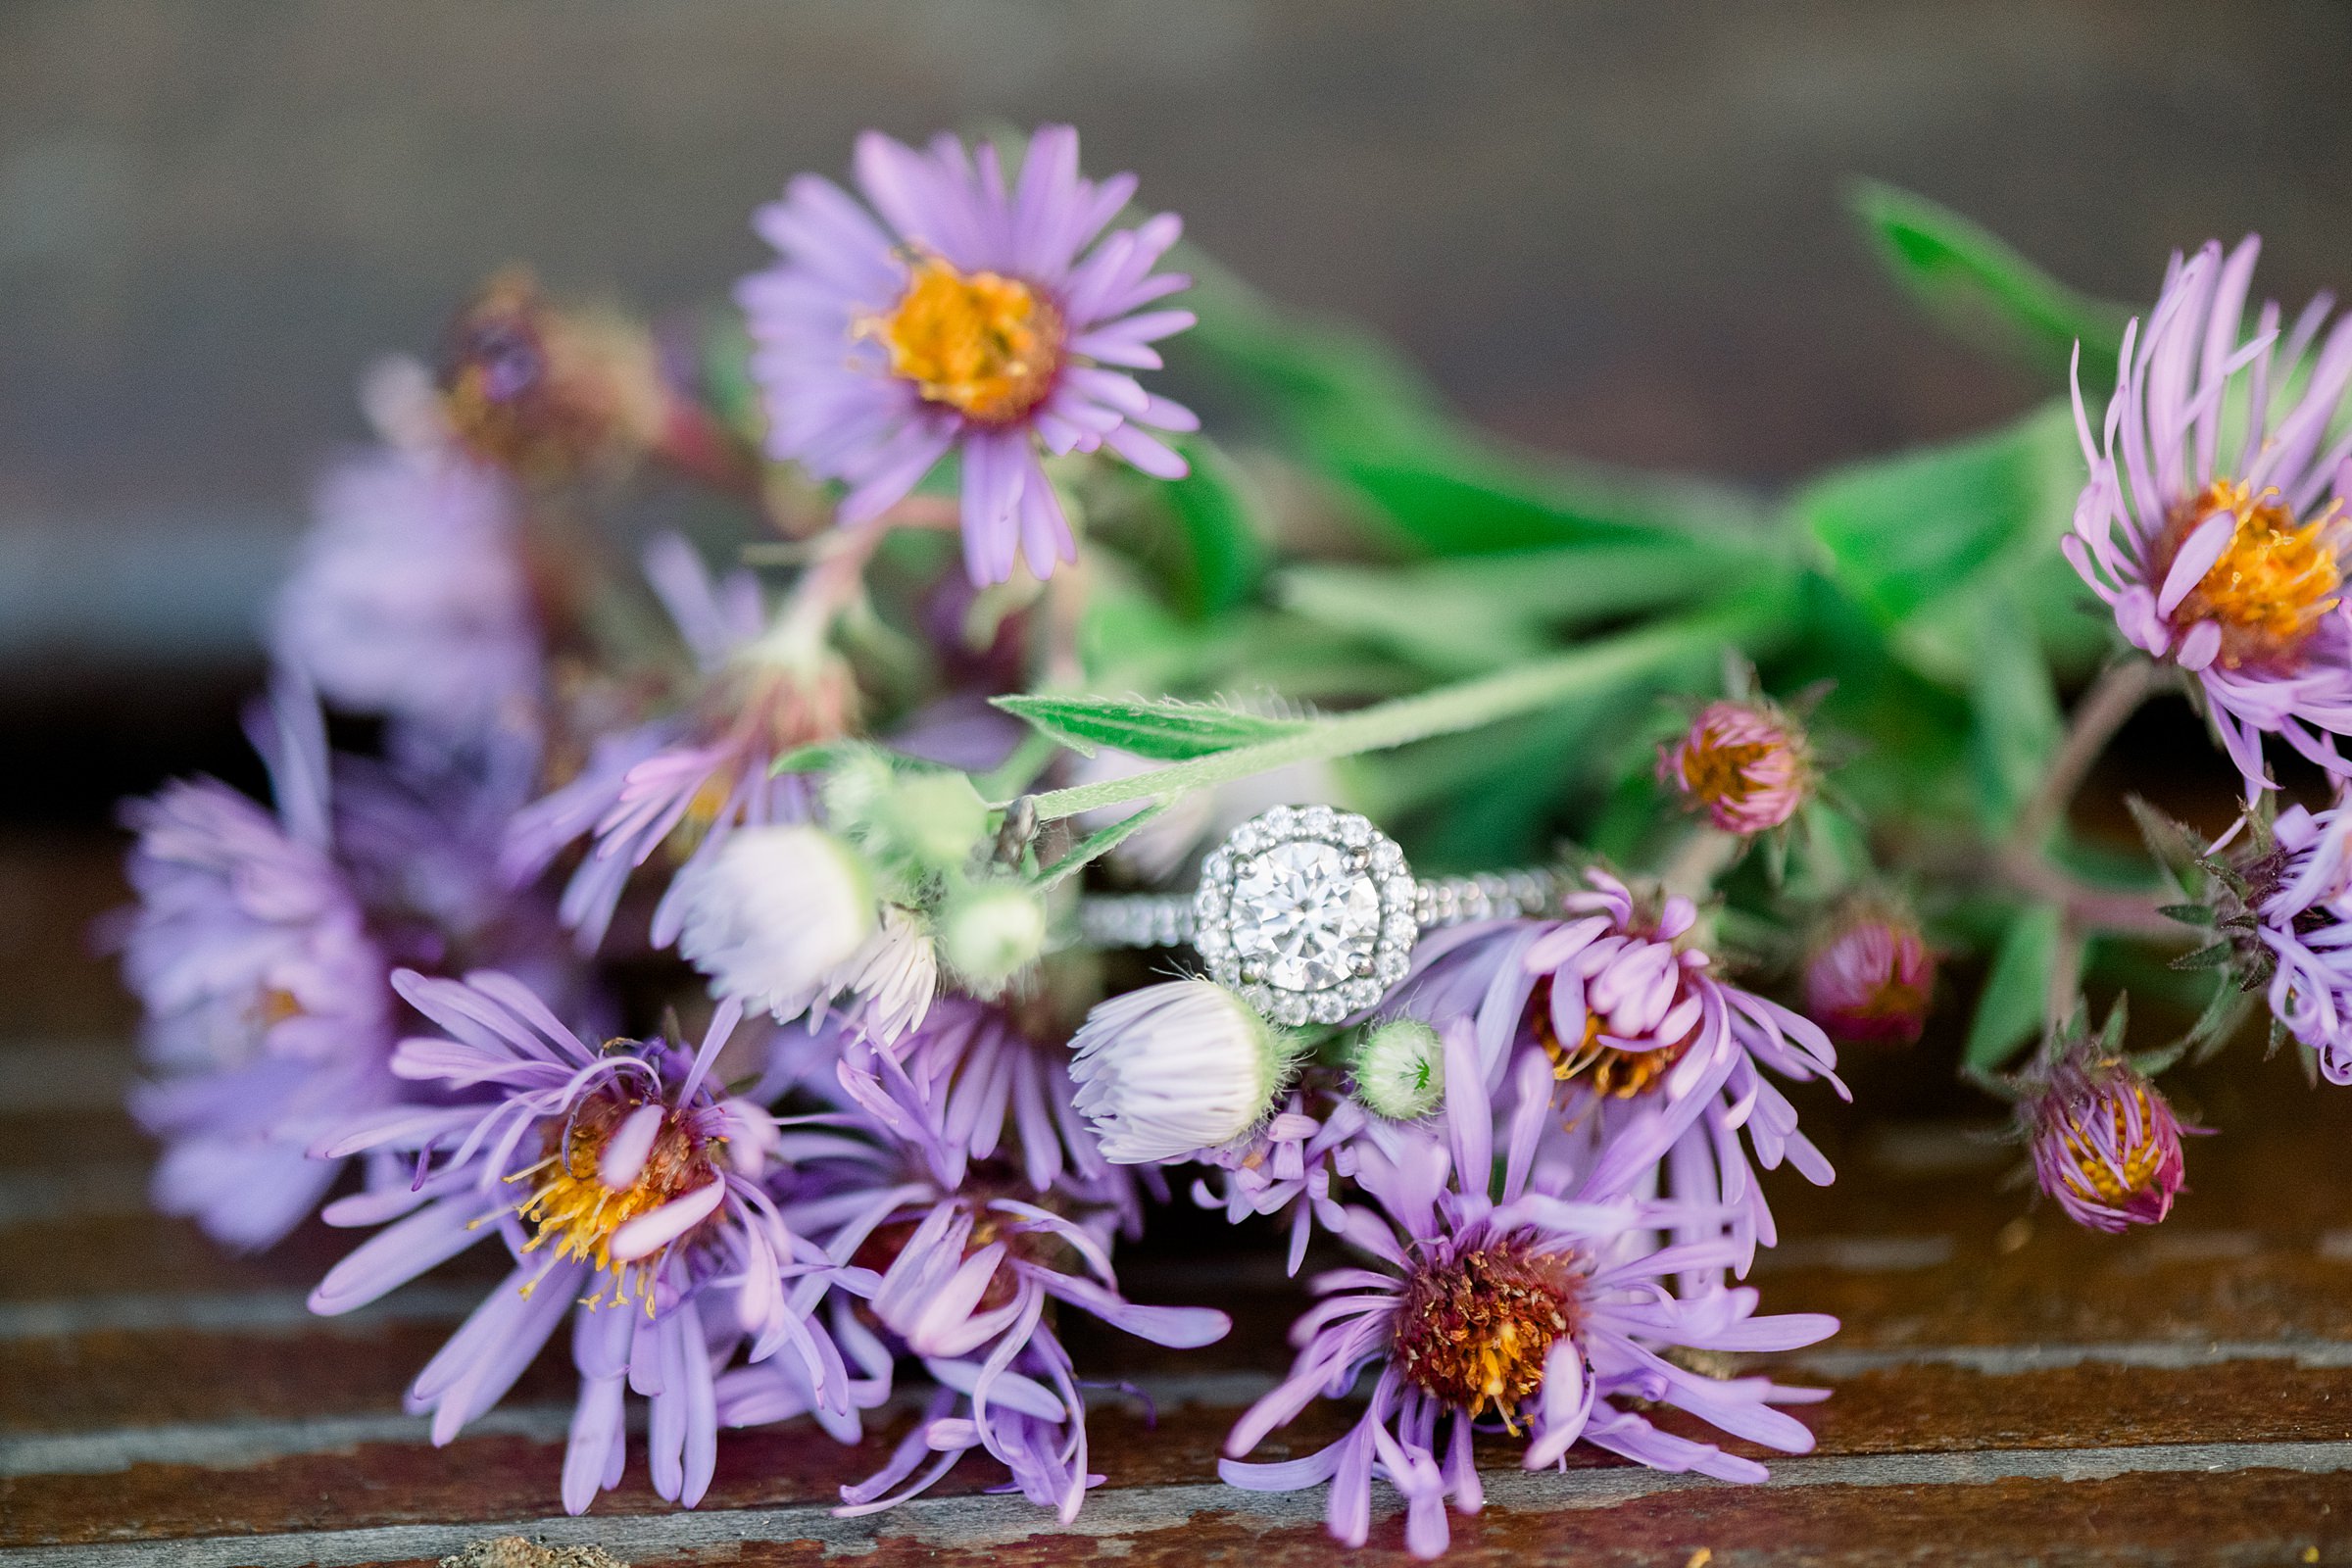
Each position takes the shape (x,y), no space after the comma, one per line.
(1310,912)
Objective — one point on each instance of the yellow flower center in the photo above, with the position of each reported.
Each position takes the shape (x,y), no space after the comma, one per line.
(2273,581)
(1609,1071)
(1475,1332)
(985,345)
(1717,771)
(2094,1178)
(569,1209)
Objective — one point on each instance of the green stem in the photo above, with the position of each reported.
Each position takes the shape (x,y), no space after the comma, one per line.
(1447,710)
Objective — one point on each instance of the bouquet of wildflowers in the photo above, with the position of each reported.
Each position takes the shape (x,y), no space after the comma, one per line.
(718,764)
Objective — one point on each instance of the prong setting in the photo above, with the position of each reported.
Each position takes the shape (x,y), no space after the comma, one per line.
(1309,912)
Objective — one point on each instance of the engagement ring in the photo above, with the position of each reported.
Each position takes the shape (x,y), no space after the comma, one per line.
(1310,912)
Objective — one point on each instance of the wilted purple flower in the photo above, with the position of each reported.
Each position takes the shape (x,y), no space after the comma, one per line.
(958,1258)
(1537,1306)
(976,316)
(624,1182)
(1292,1164)
(2214,519)
(1654,1054)
(2304,921)
(410,596)
(1743,763)
(550,391)
(1871,979)
(2106,1146)
(687,782)
(267,1007)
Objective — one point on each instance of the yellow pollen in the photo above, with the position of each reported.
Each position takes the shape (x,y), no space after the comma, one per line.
(2098,1181)
(1609,1071)
(571,1211)
(985,345)
(1716,770)
(2273,581)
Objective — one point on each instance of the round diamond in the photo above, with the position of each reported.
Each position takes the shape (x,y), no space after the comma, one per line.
(1303,916)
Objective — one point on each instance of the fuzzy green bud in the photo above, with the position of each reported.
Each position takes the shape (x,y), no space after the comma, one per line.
(1400,1069)
(934,819)
(990,931)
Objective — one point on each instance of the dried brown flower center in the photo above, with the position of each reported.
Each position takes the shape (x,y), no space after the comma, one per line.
(985,345)
(1609,1071)
(2273,581)
(1715,771)
(1475,1331)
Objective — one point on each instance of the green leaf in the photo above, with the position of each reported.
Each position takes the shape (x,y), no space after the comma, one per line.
(1978,283)
(1218,510)
(1096,845)
(1905,535)
(1589,672)
(2015,725)
(1162,729)
(1352,406)
(2009,1009)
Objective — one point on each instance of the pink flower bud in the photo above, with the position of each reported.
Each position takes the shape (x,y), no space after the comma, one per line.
(2106,1146)
(1872,980)
(1743,765)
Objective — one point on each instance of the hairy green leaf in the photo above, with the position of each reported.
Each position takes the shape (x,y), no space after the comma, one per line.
(1979,284)
(1160,730)
(2009,1009)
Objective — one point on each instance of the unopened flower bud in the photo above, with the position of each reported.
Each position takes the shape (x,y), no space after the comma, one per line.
(1400,1069)
(1174,1068)
(2106,1146)
(1870,981)
(933,820)
(990,931)
(545,390)
(1744,764)
(776,914)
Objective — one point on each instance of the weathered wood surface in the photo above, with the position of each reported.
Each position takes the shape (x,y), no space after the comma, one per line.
(2008,1389)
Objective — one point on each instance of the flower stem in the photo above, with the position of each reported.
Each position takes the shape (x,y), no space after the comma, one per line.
(1468,705)
(2112,699)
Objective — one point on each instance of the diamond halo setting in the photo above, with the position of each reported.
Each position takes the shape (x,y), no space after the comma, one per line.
(1309,912)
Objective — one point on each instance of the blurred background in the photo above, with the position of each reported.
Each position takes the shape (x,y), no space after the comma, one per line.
(1608,228)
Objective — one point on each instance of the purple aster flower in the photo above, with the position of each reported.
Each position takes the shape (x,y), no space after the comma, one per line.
(410,596)
(686,782)
(958,1257)
(2105,1144)
(625,1183)
(987,318)
(1518,1297)
(268,1008)
(2302,908)
(1663,1058)
(1291,1166)
(2214,519)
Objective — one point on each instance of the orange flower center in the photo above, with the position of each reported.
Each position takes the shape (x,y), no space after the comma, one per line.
(985,345)
(1475,1332)
(1717,771)
(1609,1071)
(2273,581)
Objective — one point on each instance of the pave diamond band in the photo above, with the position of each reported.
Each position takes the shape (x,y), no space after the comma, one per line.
(1310,912)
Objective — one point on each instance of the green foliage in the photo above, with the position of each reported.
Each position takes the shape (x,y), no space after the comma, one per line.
(1221,516)
(1981,287)
(1354,408)
(1161,729)
(2010,1008)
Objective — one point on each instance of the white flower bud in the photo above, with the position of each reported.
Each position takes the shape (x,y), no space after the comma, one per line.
(1400,1069)
(990,931)
(1171,1069)
(894,975)
(777,915)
